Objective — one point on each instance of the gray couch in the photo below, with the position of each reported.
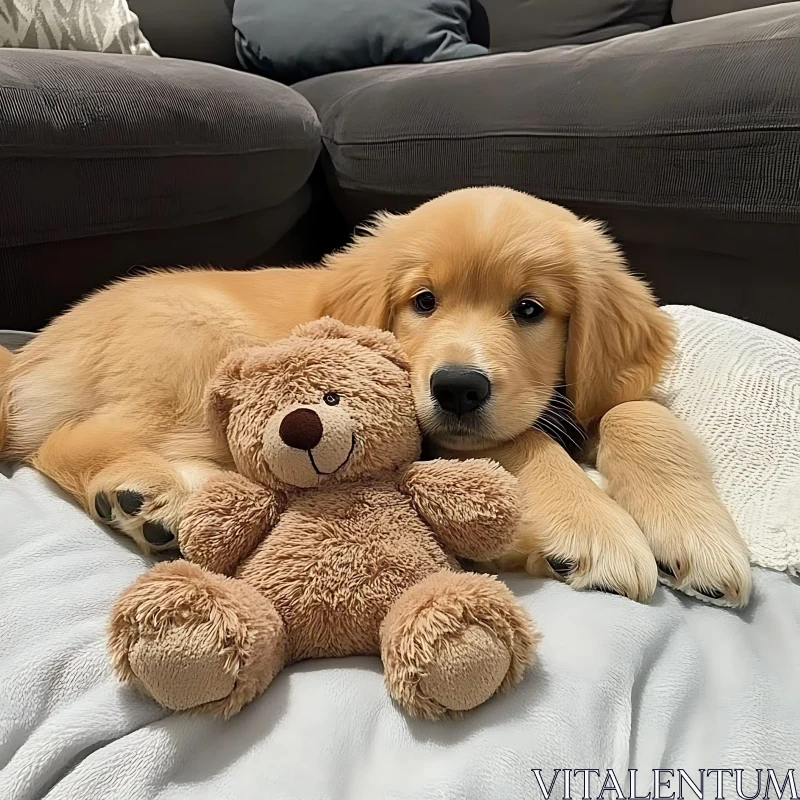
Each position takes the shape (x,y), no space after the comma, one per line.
(679,127)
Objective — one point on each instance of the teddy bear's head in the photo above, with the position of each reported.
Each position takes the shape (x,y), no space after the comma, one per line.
(330,403)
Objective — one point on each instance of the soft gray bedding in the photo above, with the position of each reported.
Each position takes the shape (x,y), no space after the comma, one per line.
(673,684)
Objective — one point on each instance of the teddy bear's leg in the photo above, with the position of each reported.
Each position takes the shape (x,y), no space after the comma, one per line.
(451,641)
(196,640)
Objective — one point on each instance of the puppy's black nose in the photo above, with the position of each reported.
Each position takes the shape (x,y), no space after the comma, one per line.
(301,429)
(460,390)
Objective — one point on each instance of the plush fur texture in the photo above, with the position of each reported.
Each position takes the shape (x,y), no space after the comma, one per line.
(294,563)
(109,398)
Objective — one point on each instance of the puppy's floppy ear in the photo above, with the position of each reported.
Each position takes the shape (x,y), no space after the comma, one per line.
(360,278)
(223,390)
(618,338)
(382,342)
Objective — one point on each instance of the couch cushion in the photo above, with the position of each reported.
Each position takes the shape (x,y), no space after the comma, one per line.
(532,24)
(39,281)
(700,116)
(684,10)
(94,144)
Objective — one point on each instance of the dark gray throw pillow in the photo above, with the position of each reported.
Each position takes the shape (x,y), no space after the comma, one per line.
(291,40)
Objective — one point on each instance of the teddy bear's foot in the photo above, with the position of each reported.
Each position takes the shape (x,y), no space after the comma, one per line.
(467,669)
(452,641)
(179,672)
(196,640)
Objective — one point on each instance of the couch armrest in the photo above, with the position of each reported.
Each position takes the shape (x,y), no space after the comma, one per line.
(686,10)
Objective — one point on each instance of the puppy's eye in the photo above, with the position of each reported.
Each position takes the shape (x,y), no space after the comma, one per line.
(527,310)
(424,302)
(331,398)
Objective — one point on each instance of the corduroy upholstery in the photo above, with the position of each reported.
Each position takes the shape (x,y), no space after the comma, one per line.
(130,151)
(685,139)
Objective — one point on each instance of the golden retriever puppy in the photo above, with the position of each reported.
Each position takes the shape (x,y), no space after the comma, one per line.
(513,311)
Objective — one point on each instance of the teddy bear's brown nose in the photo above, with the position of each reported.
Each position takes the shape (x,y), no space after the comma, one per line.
(301,429)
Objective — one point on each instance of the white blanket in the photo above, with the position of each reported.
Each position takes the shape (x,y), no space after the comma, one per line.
(674,684)
(738,387)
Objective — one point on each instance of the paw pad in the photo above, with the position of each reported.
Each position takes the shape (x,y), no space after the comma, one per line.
(156,533)
(102,506)
(130,502)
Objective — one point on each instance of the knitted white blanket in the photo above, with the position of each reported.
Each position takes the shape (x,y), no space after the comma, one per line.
(738,387)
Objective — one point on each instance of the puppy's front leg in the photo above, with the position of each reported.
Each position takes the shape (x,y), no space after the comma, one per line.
(657,472)
(588,540)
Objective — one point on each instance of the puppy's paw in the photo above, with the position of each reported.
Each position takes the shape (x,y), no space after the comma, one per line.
(603,550)
(658,472)
(145,502)
(150,520)
(700,552)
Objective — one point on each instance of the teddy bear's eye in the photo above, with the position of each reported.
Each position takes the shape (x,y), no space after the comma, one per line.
(331,398)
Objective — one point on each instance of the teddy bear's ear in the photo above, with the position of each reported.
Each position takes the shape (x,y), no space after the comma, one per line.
(382,342)
(222,390)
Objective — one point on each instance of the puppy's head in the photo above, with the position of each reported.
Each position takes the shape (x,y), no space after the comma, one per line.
(499,298)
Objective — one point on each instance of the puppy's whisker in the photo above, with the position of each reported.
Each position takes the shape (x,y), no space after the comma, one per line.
(555,432)
(556,395)
(568,422)
(573,434)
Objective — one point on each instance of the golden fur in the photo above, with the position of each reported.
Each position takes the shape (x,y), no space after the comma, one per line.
(359,559)
(109,395)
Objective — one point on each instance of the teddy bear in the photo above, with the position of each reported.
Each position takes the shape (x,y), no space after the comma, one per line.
(330,539)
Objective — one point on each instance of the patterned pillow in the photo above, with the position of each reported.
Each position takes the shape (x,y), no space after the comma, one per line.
(99,26)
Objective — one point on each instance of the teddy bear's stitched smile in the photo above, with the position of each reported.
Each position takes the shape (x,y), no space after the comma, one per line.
(347,458)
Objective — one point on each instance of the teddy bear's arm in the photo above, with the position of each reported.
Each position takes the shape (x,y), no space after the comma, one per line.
(225,520)
(472,506)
